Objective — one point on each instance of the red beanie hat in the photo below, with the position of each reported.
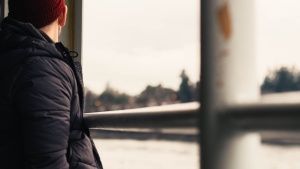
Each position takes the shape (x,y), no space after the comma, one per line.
(37,12)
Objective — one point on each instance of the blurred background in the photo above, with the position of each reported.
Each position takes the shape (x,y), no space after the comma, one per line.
(147,53)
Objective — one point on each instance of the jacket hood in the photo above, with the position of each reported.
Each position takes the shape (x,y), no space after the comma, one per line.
(13,33)
(19,41)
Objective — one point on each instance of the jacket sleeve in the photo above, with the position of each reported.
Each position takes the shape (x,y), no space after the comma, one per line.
(42,97)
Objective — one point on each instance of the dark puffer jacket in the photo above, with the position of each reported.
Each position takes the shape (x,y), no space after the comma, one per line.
(41,103)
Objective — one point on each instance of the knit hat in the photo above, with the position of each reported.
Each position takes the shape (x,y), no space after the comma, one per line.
(37,12)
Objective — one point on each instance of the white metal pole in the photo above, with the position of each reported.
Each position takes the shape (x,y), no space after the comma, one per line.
(228,78)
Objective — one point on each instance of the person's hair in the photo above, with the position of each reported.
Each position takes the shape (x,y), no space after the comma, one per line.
(37,12)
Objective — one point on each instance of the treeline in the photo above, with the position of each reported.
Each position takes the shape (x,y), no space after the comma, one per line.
(283,79)
(112,99)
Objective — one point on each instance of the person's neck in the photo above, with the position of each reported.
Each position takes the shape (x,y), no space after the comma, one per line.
(52,31)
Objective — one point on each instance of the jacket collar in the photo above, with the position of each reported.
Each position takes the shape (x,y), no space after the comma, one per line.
(21,28)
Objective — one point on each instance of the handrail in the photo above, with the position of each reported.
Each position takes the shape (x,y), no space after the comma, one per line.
(273,112)
(281,115)
(262,117)
(168,116)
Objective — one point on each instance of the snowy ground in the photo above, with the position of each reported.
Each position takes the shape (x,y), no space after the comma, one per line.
(151,154)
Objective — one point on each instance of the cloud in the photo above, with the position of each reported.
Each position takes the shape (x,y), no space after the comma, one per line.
(124,25)
(132,43)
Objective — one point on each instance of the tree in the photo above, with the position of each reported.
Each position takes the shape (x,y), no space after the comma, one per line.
(90,101)
(185,89)
(156,95)
(110,97)
(281,80)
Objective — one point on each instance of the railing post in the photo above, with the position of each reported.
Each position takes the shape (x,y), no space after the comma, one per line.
(228,77)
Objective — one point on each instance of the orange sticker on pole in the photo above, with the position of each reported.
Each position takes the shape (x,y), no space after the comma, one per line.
(225,21)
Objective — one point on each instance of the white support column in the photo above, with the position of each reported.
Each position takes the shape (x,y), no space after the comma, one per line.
(71,35)
(228,78)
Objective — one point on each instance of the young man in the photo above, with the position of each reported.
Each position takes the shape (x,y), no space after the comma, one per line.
(41,92)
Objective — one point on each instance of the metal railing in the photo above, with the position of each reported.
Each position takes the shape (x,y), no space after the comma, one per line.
(168,116)
(250,117)
(280,119)
(262,117)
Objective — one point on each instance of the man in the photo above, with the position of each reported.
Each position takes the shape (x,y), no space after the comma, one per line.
(41,92)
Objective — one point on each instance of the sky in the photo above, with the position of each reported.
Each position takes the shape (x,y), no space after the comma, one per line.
(129,44)
(278,35)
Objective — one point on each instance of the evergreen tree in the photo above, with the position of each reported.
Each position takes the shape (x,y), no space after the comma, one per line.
(185,89)
(90,101)
(157,94)
(110,97)
(281,80)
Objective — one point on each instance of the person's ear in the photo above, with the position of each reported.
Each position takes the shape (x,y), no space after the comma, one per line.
(62,19)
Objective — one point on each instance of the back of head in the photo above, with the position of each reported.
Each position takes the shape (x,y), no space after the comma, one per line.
(37,12)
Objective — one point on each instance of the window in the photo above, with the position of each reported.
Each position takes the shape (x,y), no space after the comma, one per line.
(276,25)
(136,54)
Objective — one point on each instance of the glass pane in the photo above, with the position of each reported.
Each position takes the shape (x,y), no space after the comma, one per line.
(278,33)
(138,53)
